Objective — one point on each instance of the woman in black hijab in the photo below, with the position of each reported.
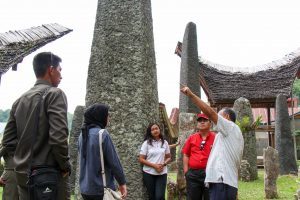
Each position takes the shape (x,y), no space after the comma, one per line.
(96,117)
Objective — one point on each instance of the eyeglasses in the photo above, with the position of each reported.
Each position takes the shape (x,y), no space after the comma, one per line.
(202,144)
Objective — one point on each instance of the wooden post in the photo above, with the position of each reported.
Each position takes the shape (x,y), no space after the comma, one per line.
(269,123)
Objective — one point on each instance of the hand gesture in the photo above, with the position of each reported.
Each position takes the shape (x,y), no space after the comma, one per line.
(159,167)
(2,182)
(186,90)
(123,190)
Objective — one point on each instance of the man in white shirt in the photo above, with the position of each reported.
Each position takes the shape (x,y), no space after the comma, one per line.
(226,154)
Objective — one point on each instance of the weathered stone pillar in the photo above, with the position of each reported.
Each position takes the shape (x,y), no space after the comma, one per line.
(187,125)
(283,138)
(271,166)
(77,195)
(122,74)
(189,71)
(73,142)
(245,174)
(243,110)
(172,190)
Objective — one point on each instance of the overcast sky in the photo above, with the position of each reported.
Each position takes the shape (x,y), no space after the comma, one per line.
(233,33)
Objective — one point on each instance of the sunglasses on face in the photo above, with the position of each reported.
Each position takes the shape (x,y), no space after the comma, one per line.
(202,145)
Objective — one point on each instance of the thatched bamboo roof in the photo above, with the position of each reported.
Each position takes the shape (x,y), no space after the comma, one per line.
(15,45)
(259,84)
(260,87)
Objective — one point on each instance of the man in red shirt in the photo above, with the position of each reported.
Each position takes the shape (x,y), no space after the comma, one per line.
(196,151)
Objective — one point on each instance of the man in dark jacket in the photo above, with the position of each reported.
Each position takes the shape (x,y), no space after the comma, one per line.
(37,130)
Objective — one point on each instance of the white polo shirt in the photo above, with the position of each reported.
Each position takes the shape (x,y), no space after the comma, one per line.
(226,154)
(155,153)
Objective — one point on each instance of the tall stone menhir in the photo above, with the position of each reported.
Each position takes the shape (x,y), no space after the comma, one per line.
(242,108)
(122,74)
(189,71)
(189,75)
(283,138)
(73,143)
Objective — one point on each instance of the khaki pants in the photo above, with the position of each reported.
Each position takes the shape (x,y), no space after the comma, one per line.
(10,190)
(63,187)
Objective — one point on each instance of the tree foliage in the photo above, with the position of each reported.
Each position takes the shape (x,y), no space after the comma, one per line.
(70,119)
(296,88)
(4,114)
(245,125)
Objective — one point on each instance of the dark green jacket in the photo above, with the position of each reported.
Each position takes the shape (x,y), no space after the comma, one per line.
(51,142)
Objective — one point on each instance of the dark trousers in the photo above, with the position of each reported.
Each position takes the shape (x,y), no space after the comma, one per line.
(195,187)
(10,191)
(156,185)
(92,197)
(221,191)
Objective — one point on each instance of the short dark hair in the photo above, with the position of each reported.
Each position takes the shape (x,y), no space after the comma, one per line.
(231,113)
(42,61)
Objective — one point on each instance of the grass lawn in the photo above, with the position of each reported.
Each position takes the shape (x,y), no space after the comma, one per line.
(286,187)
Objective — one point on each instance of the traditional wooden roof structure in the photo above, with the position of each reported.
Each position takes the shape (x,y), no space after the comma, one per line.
(260,84)
(169,129)
(15,45)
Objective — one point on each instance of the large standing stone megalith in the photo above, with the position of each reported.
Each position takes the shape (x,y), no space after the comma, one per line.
(122,74)
(73,142)
(189,71)
(283,138)
(243,110)
(187,125)
(77,193)
(271,166)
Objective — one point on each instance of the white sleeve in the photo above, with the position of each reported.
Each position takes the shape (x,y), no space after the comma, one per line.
(224,126)
(144,149)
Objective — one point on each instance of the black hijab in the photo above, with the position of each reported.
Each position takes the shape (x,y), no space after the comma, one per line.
(95,116)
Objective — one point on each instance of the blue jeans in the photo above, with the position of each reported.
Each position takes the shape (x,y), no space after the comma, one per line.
(221,191)
(156,185)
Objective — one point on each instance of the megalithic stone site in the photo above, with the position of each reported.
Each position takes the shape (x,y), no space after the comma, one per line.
(189,70)
(122,74)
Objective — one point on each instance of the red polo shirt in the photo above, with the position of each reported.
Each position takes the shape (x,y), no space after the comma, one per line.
(197,157)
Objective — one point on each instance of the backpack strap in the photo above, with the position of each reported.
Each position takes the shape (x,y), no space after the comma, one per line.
(101,157)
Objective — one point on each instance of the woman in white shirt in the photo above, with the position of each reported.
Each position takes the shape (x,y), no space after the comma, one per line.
(155,155)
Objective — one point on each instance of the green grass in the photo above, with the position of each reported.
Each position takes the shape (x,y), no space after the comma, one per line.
(286,187)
